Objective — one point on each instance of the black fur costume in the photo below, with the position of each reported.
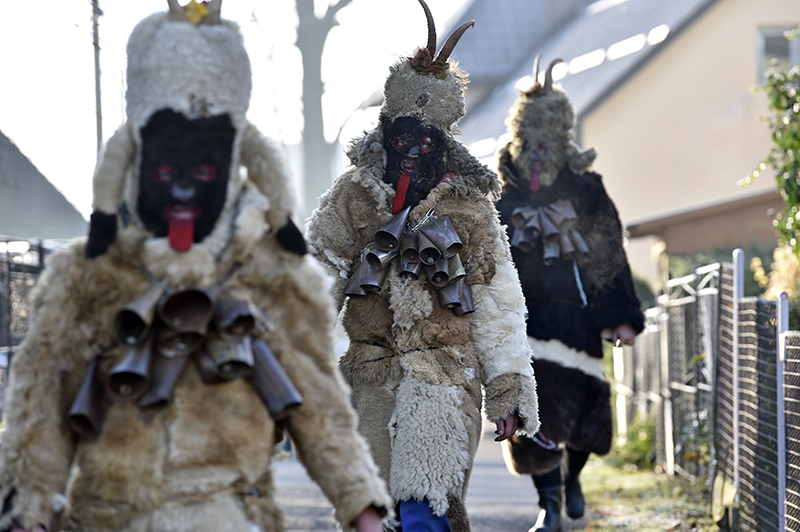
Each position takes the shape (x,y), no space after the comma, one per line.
(574,406)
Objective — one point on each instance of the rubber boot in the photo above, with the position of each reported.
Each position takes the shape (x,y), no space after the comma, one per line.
(549,488)
(573,496)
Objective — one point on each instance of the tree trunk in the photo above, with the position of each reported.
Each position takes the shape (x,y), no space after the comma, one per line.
(318,154)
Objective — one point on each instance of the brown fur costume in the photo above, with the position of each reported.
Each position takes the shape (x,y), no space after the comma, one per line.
(416,368)
(201,463)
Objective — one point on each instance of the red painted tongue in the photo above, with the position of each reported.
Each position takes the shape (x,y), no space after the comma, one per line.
(400,195)
(535,185)
(181,233)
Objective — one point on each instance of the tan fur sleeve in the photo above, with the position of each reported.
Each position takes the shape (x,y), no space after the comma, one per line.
(498,326)
(335,455)
(37,446)
(331,235)
(324,427)
(267,169)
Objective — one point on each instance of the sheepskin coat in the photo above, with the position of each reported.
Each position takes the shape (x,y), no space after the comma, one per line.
(564,331)
(202,463)
(416,369)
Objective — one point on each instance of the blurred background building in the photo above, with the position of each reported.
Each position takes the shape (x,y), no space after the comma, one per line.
(30,206)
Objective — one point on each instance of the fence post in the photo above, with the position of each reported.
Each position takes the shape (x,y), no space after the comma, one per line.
(782,328)
(666,393)
(738,293)
(622,400)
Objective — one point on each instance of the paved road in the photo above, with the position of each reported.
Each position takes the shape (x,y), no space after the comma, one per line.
(497,500)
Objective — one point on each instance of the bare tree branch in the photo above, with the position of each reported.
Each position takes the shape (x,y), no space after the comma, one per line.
(334,9)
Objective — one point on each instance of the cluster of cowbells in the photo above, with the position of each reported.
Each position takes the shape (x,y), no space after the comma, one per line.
(160,331)
(432,248)
(554,225)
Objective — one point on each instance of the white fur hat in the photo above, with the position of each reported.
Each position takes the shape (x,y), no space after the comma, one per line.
(193,62)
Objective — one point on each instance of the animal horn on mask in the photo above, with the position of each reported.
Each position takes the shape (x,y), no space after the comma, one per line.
(424,57)
(548,75)
(431,46)
(451,42)
(535,84)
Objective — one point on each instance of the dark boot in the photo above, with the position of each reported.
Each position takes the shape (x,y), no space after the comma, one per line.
(549,488)
(573,496)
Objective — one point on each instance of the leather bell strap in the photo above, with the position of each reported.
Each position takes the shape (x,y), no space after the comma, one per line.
(555,226)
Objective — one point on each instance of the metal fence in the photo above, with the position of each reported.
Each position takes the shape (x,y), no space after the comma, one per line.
(791,407)
(725,397)
(21,262)
(669,373)
(758,460)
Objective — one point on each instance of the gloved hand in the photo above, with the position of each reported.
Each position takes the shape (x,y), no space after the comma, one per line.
(102,231)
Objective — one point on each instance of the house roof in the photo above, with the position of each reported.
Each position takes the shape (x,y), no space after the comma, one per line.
(506,32)
(601,46)
(30,206)
(657,223)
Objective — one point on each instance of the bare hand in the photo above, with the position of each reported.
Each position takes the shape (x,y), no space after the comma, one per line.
(368,521)
(507,427)
(623,335)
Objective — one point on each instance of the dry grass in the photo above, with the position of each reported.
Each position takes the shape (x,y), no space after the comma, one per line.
(627,499)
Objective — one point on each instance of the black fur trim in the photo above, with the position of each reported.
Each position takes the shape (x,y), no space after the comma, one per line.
(291,238)
(8,501)
(102,231)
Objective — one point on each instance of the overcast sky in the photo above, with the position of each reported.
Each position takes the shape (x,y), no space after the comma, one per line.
(47,93)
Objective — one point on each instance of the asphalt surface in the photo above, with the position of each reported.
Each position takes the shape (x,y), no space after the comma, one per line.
(496,501)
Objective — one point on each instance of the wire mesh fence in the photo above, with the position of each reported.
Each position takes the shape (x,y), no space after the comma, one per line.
(728,411)
(723,450)
(21,262)
(791,387)
(673,366)
(758,426)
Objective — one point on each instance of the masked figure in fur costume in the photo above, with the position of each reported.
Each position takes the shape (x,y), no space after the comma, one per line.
(566,242)
(138,400)
(432,304)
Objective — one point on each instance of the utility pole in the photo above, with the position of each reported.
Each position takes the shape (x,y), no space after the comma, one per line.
(96,13)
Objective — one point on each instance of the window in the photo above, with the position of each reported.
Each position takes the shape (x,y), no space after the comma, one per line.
(774,46)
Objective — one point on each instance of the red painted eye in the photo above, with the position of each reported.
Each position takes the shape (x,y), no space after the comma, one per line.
(426,144)
(204,172)
(399,142)
(162,174)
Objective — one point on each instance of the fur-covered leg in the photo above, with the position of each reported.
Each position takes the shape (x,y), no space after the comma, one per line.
(457,515)
(573,496)
(550,496)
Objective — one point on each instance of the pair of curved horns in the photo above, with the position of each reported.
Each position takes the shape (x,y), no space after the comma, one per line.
(178,12)
(451,42)
(548,76)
